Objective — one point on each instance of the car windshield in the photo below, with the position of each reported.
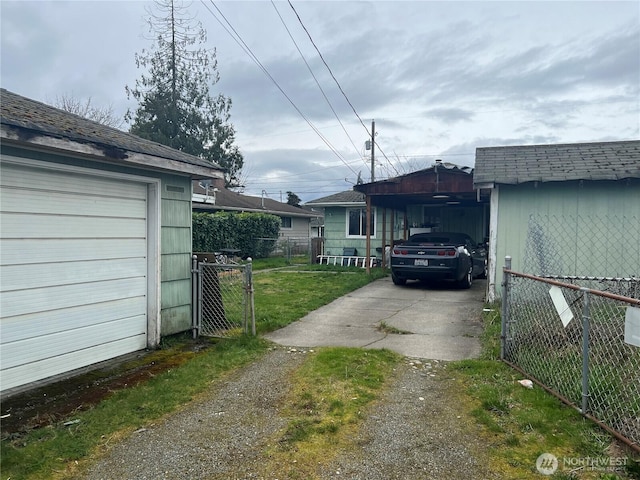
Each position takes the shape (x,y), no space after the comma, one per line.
(440,239)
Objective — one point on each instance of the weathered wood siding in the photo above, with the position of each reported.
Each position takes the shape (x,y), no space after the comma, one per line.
(175,254)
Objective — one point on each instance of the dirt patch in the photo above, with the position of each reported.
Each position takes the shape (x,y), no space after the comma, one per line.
(56,402)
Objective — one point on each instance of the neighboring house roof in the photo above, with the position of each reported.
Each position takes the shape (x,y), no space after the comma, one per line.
(554,163)
(26,122)
(346,198)
(226,200)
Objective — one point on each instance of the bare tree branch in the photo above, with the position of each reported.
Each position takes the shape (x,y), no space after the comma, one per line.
(84,108)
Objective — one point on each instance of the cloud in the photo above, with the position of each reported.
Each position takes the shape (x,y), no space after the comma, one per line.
(310,173)
(438,78)
(450,115)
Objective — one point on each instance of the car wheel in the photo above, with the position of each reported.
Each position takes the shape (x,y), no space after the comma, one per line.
(397,280)
(467,280)
(485,270)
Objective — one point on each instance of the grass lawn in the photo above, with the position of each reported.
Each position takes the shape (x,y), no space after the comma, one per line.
(518,424)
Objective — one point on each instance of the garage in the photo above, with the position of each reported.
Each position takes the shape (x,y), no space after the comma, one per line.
(74,281)
(95,242)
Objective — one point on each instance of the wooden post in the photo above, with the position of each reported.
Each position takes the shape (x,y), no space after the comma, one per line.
(393,226)
(384,233)
(368,198)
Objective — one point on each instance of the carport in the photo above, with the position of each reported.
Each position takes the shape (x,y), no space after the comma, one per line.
(439,198)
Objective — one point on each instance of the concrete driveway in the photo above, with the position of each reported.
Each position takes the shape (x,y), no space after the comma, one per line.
(436,322)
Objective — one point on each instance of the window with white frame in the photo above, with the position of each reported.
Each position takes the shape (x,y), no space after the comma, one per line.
(357,222)
(285,222)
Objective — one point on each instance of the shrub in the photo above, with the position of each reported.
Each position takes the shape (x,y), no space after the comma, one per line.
(254,234)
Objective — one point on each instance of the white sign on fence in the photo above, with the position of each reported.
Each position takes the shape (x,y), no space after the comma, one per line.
(632,326)
(557,297)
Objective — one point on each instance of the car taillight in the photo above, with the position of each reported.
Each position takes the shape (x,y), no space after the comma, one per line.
(397,251)
(446,253)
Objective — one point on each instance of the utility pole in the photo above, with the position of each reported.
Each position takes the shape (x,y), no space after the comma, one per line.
(373,146)
(368,198)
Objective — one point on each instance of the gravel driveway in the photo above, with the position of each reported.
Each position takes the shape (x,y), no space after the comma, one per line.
(415,431)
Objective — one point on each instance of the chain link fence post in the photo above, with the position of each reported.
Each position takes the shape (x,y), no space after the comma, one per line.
(195,274)
(199,302)
(585,351)
(505,306)
(248,272)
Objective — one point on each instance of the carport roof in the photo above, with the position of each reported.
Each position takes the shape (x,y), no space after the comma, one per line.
(553,163)
(443,184)
(33,124)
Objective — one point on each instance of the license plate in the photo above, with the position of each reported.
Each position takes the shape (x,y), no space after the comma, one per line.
(420,261)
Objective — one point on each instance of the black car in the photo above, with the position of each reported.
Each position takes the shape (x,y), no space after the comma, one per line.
(438,256)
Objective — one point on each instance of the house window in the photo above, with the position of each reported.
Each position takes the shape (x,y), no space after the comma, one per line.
(357,222)
(285,222)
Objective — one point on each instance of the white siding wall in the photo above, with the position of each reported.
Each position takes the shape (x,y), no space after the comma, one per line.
(74,270)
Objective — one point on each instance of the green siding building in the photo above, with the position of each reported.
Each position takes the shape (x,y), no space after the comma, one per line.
(565,210)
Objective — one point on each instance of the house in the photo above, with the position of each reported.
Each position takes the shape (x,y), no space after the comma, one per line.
(439,198)
(295,222)
(345,231)
(95,245)
(567,209)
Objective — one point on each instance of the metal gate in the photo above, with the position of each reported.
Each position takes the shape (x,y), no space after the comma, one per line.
(222,299)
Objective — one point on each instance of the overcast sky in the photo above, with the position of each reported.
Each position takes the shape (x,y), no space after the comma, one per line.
(439,78)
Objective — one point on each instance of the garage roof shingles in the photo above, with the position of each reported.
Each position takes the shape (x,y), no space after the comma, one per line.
(38,118)
(562,162)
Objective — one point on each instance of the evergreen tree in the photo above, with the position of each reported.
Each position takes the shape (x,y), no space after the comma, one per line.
(293,199)
(175,107)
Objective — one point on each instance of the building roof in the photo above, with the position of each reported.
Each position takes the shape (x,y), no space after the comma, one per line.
(556,163)
(27,122)
(348,197)
(223,199)
(443,184)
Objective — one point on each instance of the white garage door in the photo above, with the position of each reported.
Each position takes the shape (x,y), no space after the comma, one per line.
(73,271)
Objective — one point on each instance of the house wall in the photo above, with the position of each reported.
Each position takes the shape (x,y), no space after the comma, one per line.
(175,260)
(473,221)
(335,232)
(579,228)
(175,215)
(299,230)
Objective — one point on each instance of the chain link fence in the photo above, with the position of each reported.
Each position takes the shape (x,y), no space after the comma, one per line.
(582,246)
(288,246)
(580,338)
(222,299)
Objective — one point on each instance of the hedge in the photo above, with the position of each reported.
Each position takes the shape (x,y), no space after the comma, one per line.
(254,234)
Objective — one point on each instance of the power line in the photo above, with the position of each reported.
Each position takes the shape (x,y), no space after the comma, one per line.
(238,39)
(314,77)
(338,83)
(435,155)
